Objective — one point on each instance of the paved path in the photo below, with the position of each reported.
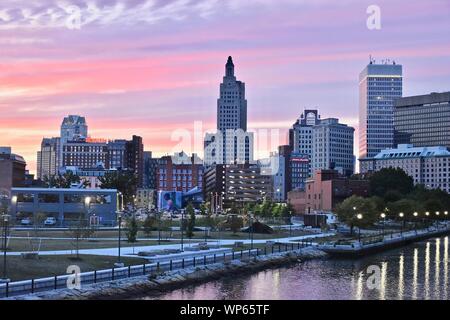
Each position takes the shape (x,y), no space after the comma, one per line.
(128,251)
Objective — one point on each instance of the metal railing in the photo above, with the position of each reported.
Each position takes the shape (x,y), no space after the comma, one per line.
(60,282)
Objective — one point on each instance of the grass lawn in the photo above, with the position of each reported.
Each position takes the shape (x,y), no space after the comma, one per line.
(48,266)
(47,245)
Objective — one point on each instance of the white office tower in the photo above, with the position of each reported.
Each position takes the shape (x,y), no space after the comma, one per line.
(379,86)
(231,143)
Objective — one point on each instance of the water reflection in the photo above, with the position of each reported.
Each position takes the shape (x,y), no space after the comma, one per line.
(418,271)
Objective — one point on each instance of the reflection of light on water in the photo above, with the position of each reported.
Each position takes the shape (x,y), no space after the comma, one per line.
(437,262)
(359,286)
(415,272)
(400,277)
(445,268)
(383,281)
(427,271)
(276,285)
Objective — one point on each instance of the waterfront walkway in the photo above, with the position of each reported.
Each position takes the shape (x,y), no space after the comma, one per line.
(132,251)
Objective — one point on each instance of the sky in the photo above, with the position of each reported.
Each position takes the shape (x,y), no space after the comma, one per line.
(153,67)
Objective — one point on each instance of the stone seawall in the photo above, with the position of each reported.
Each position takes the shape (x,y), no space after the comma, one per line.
(147,285)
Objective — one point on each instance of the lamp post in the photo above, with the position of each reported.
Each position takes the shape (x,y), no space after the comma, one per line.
(5,219)
(359,217)
(182,230)
(251,231)
(159,227)
(119,263)
(437,220)
(383,216)
(401,215)
(427,214)
(415,214)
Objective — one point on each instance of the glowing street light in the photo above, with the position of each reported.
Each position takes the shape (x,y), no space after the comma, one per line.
(415,214)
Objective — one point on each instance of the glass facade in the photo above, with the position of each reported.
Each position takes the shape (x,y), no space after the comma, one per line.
(379,86)
(423,120)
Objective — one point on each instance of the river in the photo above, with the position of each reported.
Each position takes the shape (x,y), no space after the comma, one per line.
(417,271)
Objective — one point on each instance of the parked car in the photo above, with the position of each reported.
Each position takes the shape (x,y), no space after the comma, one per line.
(25,221)
(50,221)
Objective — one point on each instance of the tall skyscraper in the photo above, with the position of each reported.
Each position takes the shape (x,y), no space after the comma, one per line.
(423,121)
(232,144)
(134,155)
(48,158)
(231,105)
(379,86)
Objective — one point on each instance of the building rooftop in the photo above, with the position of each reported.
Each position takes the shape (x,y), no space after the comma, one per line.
(63,190)
(423,100)
(409,151)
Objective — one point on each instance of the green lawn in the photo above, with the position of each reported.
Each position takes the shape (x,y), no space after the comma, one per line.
(19,268)
(47,245)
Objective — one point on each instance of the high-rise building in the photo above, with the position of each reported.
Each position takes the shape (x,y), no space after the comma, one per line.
(423,121)
(134,156)
(117,151)
(236,184)
(379,86)
(85,154)
(48,158)
(332,146)
(300,168)
(150,170)
(232,143)
(73,128)
(327,144)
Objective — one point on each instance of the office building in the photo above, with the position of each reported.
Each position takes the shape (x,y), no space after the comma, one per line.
(423,121)
(236,185)
(428,166)
(47,164)
(379,86)
(231,143)
(325,190)
(179,173)
(85,153)
(150,170)
(65,205)
(326,143)
(12,171)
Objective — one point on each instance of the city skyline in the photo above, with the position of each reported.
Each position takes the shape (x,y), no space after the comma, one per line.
(168,76)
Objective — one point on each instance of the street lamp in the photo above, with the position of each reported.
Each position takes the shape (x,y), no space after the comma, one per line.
(5,219)
(427,214)
(119,263)
(359,216)
(401,215)
(415,214)
(437,220)
(182,230)
(383,216)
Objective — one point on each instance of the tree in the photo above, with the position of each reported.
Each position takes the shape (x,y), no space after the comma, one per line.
(150,224)
(124,181)
(350,208)
(390,179)
(190,212)
(63,181)
(132,230)
(79,230)
(235,224)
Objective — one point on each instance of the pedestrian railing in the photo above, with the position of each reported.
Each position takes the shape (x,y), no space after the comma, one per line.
(62,281)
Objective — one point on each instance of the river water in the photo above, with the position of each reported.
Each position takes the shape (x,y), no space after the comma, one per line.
(417,271)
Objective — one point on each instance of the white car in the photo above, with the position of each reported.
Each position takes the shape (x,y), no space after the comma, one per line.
(50,221)
(25,221)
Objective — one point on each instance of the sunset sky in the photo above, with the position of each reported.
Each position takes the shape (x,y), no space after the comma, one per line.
(153,67)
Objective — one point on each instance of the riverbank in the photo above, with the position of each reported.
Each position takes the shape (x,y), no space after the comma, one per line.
(165,281)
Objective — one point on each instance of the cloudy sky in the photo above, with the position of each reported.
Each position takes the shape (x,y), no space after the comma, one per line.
(153,67)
